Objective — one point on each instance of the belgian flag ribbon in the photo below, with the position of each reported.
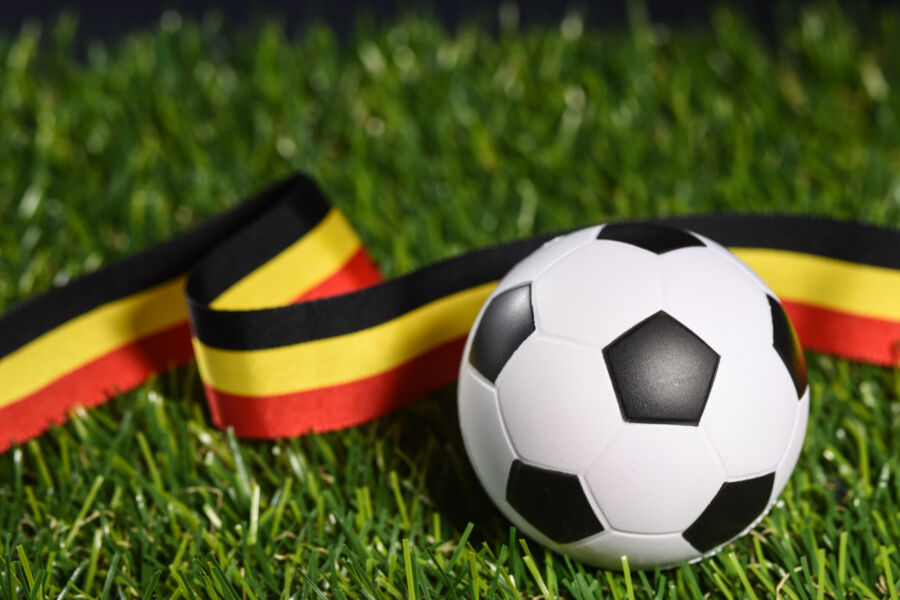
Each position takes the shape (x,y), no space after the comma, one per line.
(293,329)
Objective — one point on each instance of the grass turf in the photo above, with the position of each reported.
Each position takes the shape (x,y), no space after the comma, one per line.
(433,143)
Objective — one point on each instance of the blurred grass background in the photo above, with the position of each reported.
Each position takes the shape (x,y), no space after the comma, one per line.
(432,142)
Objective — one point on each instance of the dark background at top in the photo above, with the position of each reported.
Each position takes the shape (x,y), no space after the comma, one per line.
(107,20)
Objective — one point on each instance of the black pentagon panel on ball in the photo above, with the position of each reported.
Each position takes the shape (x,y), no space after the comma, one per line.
(658,239)
(784,338)
(661,371)
(553,502)
(735,507)
(508,320)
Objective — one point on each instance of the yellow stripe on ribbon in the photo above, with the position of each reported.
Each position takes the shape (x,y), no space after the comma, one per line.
(90,336)
(826,282)
(296,269)
(340,359)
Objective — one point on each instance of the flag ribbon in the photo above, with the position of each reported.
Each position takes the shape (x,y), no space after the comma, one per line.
(293,329)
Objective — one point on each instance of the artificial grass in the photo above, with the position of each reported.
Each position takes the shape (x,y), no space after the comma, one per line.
(433,143)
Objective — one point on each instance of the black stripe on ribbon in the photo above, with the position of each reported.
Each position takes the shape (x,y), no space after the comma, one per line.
(842,240)
(339,315)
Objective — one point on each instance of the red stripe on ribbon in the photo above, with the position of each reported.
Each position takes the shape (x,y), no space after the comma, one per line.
(357,273)
(338,406)
(856,337)
(93,383)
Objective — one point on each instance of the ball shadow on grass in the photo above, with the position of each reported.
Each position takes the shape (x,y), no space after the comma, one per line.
(428,430)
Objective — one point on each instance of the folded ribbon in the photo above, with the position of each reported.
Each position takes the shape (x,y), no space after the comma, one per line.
(293,329)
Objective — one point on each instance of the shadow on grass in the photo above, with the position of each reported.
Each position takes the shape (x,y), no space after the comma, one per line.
(427,433)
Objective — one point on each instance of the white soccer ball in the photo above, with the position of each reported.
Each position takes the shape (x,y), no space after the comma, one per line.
(633,390)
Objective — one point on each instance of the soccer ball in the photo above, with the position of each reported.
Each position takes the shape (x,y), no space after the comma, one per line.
(636,390)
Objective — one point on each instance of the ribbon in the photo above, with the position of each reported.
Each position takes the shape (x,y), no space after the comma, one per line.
(293,329)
